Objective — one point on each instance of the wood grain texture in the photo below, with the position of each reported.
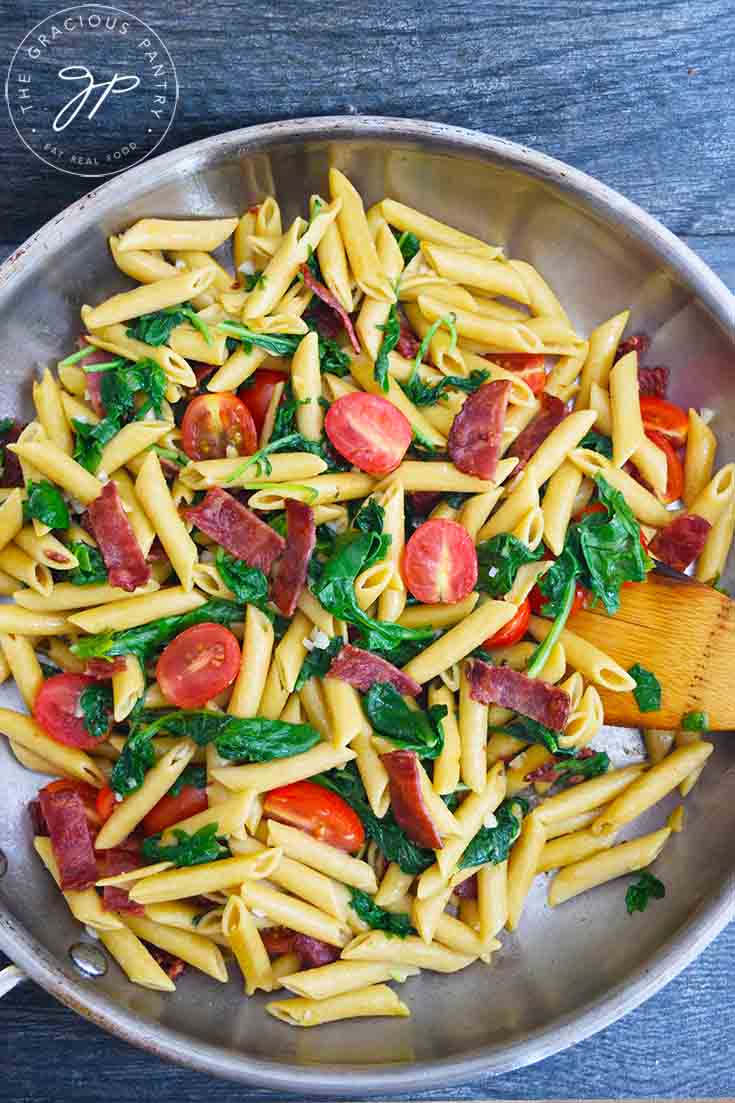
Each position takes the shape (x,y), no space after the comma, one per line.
(635,92)
(686,632)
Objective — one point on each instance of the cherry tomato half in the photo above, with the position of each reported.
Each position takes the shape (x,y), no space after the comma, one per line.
(440,562)
(319,812)
(105,803)
(514,630)
(56,710)
(198,664)
(257,395)
(188,802)
(368,431)
(214,423)
(529,366)
(664,417)
(537,600)
(87,792)
(674,466)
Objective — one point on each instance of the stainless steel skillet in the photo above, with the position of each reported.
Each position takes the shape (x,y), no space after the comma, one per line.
(571,971)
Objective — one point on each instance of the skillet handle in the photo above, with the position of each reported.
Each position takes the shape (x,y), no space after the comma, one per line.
(10,977)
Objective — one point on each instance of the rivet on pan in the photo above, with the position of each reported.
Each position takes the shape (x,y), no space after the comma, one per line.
(3,864)
(89,960)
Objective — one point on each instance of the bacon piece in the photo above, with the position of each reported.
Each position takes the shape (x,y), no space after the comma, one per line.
(115,898)
(237,529)
(526,443)
(653,381)
(102,669)
(172,966)
(499,685)
(680,542)
(474,439)
(468,888)
(331,301)
(637,342)
(277,940)
(38,823)
(126,565)
(201,370)
(325,321)
(290,572)
(12,474)
(407,801)
(71,840)
(94,378)
(423,501)
(361,669)
(408,343)
(313,953)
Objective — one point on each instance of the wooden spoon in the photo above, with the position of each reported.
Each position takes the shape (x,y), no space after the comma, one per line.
(684,633)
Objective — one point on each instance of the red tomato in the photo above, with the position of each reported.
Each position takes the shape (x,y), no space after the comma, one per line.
(368,431)
(105,803)
(514,630)
(537,600)
(664,417)
(318,811)
(529,366)
(257,395)
(189,802)
(440,562)
(214,423)
(674,466)
(87,792)
(57,711)
(198,664)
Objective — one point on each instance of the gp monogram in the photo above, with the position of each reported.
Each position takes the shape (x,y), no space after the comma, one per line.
(91,90)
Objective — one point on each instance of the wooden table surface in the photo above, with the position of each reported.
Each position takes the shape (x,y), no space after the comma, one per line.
(640,95)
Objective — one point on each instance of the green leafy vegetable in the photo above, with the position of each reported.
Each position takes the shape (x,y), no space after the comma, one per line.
(90,440)
(694,722)
(117,390)
(596,442)
(46,504)
(370,518)
(408,243)
(156,328)
(427,394)
(389,837)
(498,562)
(248,584)
(332,357)
(91,567)
(335,590)
(647,690)
(96,704)
(318,661)
(572,768)
(276,344)
(196,776)
(410,728)
(147,639)
(602,551)
(75,357)
(391,336)
(492,844)
(542,652)
(253,739)
(531,731)
(395,923)
(251,280)
(646,888)
(189,850)
(447,320)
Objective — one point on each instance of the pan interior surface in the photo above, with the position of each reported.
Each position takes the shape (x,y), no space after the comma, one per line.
(568,971)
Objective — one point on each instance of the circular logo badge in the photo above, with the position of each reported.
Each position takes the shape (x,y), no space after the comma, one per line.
(92,90)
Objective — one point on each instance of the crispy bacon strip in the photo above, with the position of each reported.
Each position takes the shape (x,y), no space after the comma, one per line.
(477,430)
(552,413)
(361,669)
(126,565)
(12,474)
(331,301)
(499,685)
(102,669)
(467,888)
(237,529)
(290,571)
(680,542)
(71,840)
(115,898)
(313,952)
(653,381)
(407,801)
(408,343)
